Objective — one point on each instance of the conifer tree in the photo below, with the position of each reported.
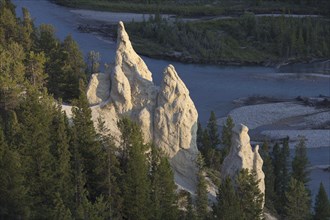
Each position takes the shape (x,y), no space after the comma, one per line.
(268,170)
(199,140)
(228,205)
(212,129)
(226,135)
(191,212)
(36,115)
(62,156)
(12,78)
(86,141)
(163,196)
(322,205)
(13,193)
(135,181)
(72,71)
(300,163)
(60,210)
(110,172)
(34,69)
(280,162)
(248,191)
(201,200)
(297,204)
(27,30)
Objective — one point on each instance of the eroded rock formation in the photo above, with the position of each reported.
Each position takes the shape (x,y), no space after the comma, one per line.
(166,114)
(242,156)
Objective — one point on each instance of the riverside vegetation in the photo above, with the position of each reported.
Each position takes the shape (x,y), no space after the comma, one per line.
(244,40)
(55,168)
(195,8)
(240,39)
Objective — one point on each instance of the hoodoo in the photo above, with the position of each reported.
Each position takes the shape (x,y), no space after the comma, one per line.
(241,156)
(166,114)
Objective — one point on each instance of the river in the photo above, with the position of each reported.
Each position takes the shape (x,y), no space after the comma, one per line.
(212,87)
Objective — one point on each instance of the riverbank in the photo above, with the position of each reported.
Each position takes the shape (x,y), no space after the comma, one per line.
(227,41)
(200,8)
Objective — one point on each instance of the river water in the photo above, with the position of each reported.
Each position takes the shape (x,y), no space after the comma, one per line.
(212,87)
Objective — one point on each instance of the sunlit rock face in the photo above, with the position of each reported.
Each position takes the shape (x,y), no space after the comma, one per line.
(166,114)
(242,156)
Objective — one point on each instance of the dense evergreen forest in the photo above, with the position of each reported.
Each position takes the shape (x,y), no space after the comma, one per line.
(196,8)
(55,167)
(245,40)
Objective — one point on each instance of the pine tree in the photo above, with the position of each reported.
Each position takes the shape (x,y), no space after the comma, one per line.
(93,61)
(226,136)
(12,78)
(322,205)
(34,69)
(62,156)
(300,163)
(13,193)
(27,30)
(280,163)
(72,70)
(135,181)
(199,140)
(191,212)
(212,129)
(297,201)
(163,196)
(202,199)
(250,195)
(228,205)
(36,116)
(86,141)
(110,172)
(268,170)
(60,210)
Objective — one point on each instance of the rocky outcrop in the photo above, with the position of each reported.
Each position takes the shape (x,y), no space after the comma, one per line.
(166,114)
(98,89)
(242,156)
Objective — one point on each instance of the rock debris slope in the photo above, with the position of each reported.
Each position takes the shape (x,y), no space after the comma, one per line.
(241,156)
(166,114)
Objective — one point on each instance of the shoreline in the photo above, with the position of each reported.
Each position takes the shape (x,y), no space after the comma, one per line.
(107,31)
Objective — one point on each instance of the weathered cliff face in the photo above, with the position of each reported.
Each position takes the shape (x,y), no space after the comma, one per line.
(167,115)
(241,156)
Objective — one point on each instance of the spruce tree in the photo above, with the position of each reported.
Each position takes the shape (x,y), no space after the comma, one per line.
(202,197)
(228,205)
(226,135)
(322,205)
(60,210)
(251,198)
(280,162)
(110,172)
(212,129)
(163,195)
(36,116)
(13,193)
(62,156)
(12,80)
(300,163)
(199,140)
(86,141)
(297,204)
(135,180)
(268,170)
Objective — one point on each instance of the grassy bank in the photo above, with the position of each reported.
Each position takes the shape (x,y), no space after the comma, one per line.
(204,7)
(247,40)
